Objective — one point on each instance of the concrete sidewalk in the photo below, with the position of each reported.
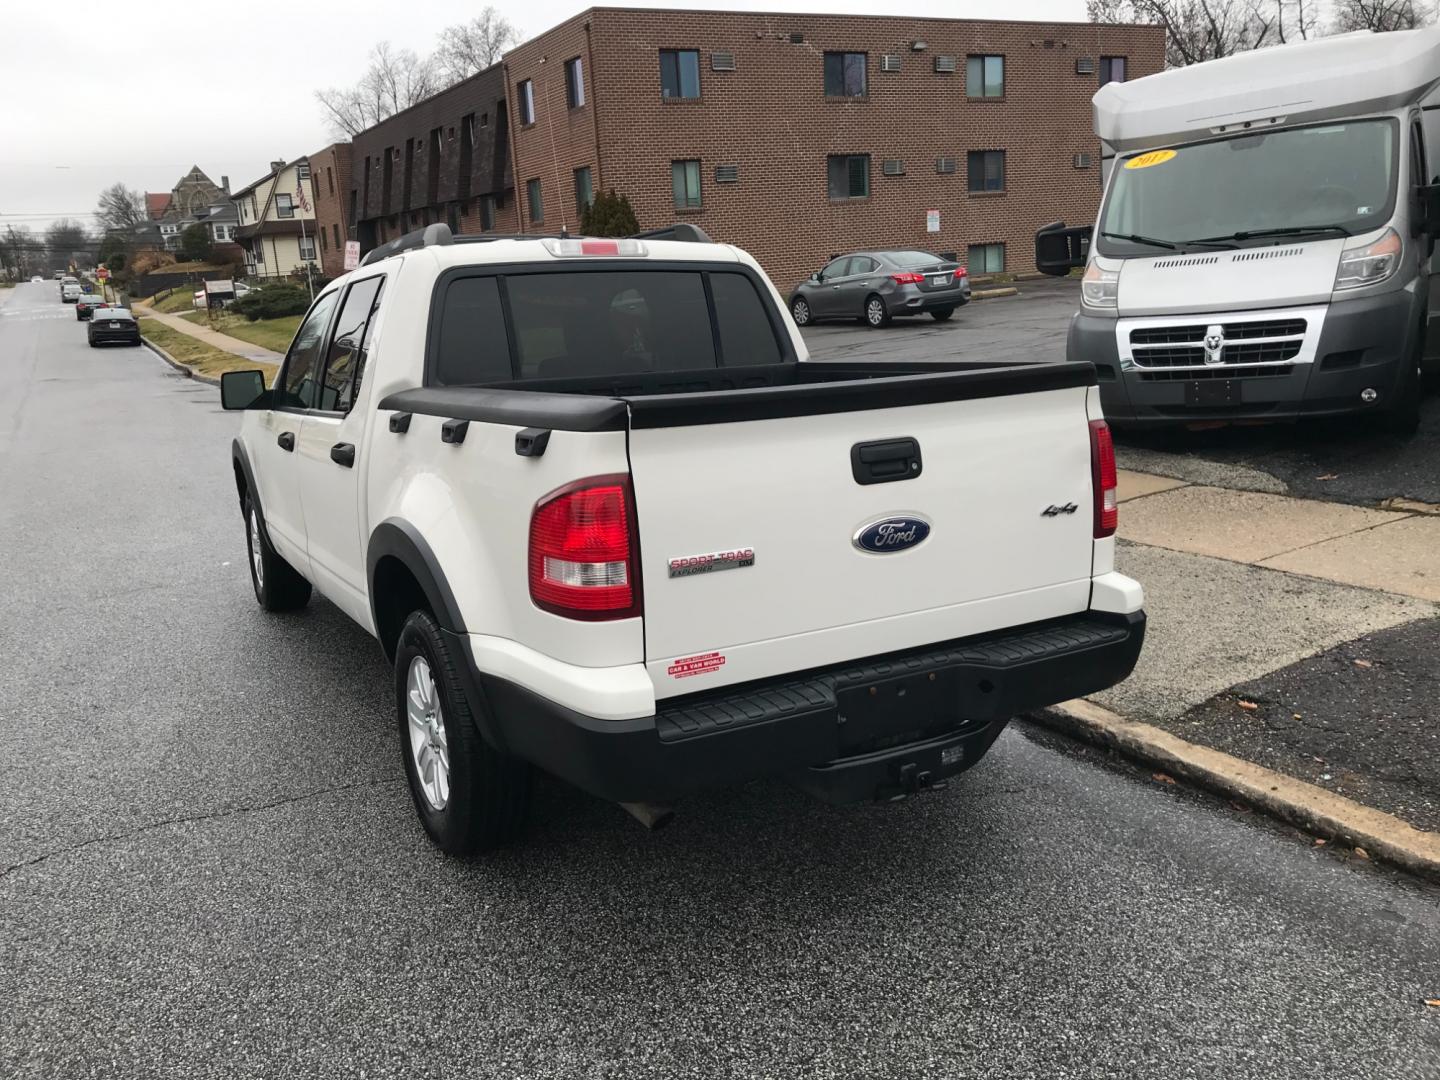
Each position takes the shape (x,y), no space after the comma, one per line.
(214,338)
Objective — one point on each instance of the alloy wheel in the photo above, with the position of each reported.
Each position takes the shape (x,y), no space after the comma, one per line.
(257,561)
(428,746)
(801,312)
(875,312)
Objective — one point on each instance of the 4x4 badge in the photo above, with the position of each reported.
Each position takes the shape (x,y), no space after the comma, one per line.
(1055,511)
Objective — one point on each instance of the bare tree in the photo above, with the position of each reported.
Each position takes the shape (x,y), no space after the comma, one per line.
(1198,30)
(65,240)
(1380,15)
(468,47)
(395,80)
(120,207)
(18,250)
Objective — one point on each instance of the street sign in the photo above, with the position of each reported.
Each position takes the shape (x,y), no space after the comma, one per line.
(103,274)
(932,220)
(352,254)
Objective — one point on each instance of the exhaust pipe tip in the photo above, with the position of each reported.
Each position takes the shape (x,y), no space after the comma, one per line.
(652,815)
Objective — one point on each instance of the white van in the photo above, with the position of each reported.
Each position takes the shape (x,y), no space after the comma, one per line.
(1264,247)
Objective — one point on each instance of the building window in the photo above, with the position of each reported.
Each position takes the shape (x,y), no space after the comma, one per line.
(330,179)
(584,190)
(845,74)
(679,73)
(985,76)
(685,184)
(487,213)
(986,169)
(537,205)
(322,240)
(303,170)
(527,102)
(307,248)
(222,233)
(284,205)
(574,83)
(1112,69)
(259,252)
(336,233)
(986,258)
(849,176)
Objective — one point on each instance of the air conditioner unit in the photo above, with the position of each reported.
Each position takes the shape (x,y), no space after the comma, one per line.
(893,167)
(889,62)
(945,165)
(945,65)
(1082,161)
(727,174)
(1085,65)
(722,61)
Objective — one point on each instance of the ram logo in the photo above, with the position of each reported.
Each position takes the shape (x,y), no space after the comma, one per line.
(1214,345)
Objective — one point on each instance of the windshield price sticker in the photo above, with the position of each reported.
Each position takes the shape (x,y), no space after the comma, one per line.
(1154,157)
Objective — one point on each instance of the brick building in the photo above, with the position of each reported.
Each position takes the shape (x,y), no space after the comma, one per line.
(798,136)
(330,177)
(444,159)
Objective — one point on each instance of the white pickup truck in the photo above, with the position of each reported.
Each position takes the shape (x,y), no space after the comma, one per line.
(605,518)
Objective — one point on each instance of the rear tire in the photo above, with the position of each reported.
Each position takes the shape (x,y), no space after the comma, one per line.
(877,315)
(800,311)
(469,797)
(942,314)
(278,586)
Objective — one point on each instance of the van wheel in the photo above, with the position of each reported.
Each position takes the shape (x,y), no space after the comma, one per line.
(469,796)
(877,315)
(800,311)
(278,586)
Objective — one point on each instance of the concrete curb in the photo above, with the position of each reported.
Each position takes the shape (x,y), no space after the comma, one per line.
(991,294)
(1306,806)
(176,364)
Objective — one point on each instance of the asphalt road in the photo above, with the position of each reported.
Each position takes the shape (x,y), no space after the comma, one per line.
(1338,460)
(209,866)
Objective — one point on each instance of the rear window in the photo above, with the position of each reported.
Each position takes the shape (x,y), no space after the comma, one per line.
(912,260)
(570,324)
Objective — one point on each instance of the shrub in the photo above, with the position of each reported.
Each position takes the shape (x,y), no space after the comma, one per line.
(272,302)
(609,215)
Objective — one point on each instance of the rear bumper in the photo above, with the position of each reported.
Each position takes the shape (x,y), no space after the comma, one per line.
(867,729)
(911,300)
(1361,346)
(104,335)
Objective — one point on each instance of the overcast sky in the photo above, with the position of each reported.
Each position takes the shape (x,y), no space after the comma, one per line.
(120,96)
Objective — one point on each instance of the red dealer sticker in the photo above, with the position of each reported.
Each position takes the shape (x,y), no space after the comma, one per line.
(695,665)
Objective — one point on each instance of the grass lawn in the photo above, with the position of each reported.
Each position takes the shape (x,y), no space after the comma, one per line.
(272,334)
(7,284)
(179,300)
(195,354)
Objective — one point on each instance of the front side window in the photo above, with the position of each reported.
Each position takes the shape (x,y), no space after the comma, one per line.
(849,176)
(845,74)
(284,205)
(537,203)
(986,258)
(986,170)
(574,83)
(298,382)
(584,190)
(1112,69)
(526,91)
(345,363)
(985,76)
(679,73)
(685,184)
(1332,179)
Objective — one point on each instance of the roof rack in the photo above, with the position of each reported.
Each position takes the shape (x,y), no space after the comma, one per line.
(439,235)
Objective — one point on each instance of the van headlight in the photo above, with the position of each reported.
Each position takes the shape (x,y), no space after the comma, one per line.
(1099,287)
(1369,263)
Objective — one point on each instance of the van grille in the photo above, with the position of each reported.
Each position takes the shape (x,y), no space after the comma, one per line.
(1224,371)
(1264,341)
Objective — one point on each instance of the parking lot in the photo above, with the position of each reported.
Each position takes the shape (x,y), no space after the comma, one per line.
(211,867)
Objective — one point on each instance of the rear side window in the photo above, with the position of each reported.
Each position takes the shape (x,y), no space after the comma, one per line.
(345,364)
(569,324)
(473,347)
(746,335)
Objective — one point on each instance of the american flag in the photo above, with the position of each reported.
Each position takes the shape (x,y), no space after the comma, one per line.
(300,199)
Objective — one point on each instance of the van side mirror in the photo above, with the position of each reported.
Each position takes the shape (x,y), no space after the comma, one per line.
(1059,250)
(243,390)
(1427,211)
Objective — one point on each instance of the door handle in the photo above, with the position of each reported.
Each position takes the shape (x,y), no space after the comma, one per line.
(885,461)
(343,453)
(286,440)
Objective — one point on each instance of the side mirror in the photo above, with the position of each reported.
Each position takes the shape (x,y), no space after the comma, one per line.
(1427,211)
(242,390)
(817,277)
(1059,250)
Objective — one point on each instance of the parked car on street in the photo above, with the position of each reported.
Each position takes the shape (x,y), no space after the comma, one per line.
(877,286)
(591,497)
(112,325)
(86,306)
(69,291)
(37,280)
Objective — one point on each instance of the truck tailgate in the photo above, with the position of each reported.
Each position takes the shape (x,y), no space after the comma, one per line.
(755,556)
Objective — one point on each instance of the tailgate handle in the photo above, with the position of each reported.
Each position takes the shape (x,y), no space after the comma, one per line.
(885,461)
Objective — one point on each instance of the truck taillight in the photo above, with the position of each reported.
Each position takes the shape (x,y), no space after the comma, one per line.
(908,278)
(583,555)
(1104,480)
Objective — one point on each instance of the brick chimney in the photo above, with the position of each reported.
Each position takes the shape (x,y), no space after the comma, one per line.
(276,166)
(225,184)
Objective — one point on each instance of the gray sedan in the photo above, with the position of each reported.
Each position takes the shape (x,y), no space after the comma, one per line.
(877,286)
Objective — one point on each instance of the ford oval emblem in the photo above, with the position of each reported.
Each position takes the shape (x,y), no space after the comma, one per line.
(889,534)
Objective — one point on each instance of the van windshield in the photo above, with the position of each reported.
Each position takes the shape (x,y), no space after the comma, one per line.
(1334,177)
